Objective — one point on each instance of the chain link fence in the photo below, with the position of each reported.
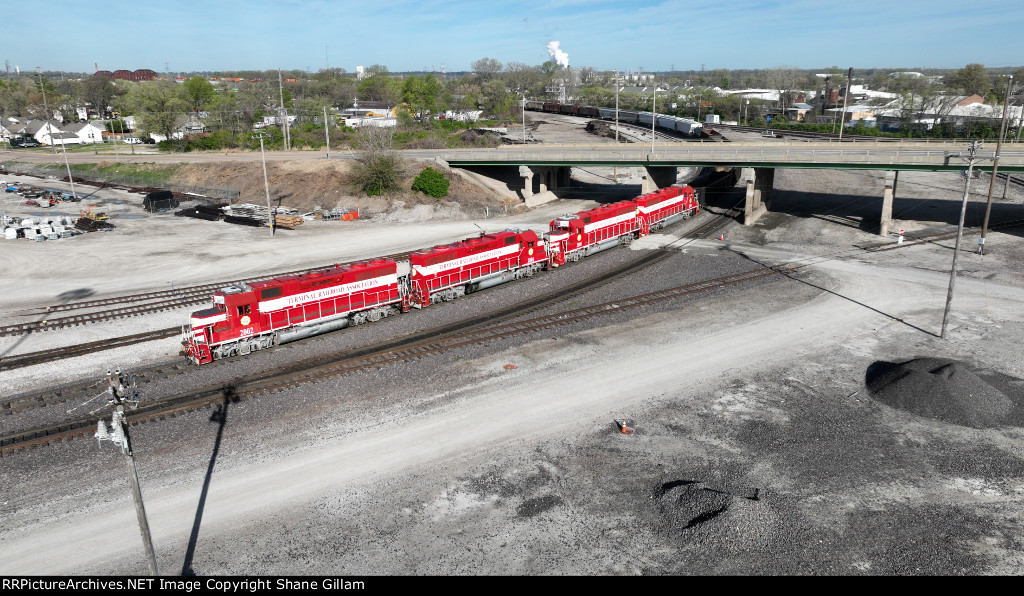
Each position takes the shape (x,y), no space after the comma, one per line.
(212,191)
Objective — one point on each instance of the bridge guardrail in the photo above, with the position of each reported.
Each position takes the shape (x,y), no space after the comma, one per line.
(884,154)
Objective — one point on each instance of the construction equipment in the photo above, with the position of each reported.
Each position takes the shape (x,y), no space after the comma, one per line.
(90,213)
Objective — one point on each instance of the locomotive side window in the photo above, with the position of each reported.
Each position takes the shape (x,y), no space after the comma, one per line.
(243,310)
(270,293)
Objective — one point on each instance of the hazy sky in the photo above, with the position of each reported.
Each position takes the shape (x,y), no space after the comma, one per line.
(192,35)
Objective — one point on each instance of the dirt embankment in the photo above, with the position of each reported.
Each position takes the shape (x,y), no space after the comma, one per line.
(307,185)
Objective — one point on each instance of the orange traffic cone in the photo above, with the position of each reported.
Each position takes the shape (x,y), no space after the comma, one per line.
(722,237)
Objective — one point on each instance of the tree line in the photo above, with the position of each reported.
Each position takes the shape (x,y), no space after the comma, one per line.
(231,108)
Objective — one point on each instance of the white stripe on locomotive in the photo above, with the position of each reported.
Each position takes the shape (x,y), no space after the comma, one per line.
(326,293)
(496,253)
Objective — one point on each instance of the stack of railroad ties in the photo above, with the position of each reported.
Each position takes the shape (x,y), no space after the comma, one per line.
(254,316)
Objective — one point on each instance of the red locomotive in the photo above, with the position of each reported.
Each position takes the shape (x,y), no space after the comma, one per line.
(259,315)
(448,272)
(665,207)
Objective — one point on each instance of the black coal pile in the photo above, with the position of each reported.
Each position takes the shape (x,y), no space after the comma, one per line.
(687,503)
(601,129)
(947,390)
(88,224)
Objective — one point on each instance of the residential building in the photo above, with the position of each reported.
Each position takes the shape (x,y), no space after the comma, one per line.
(87,132)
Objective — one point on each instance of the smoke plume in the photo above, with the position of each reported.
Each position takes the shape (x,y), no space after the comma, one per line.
(558,55)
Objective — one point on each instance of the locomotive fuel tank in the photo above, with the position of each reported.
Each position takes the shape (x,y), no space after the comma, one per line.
(303,331)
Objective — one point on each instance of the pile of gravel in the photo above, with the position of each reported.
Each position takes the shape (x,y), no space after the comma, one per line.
(946,390)
(687,503)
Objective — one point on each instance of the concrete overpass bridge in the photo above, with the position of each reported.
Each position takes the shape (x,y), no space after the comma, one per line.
(546,167)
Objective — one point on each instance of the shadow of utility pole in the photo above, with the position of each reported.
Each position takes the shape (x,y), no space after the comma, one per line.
(220,416)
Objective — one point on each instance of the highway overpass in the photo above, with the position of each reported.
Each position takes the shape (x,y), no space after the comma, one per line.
(545,167)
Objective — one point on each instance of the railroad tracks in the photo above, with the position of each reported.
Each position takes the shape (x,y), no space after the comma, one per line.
(914,240)
(474,332)
(130,305)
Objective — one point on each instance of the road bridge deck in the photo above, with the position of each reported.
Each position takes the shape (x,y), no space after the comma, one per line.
(911,155)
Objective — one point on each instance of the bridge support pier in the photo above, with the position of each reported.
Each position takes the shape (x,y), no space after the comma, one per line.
(527,175)
(759,183)
(888,194)
(548,178)
(656,177)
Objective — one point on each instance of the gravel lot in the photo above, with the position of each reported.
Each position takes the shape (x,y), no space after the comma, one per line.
(759,447)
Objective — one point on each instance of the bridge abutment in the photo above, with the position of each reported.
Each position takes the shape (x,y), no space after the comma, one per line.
(759,183)
(656,177)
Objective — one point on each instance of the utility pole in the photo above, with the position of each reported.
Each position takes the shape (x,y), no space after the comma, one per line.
(284,124)
(63,142)
(972,150)
(524,118)
(327,133)
(995,168)
(654,115)
(47,115)
(616,107)
(121,395)
(1020,124)
(846,102)
(266,184)
(700,98)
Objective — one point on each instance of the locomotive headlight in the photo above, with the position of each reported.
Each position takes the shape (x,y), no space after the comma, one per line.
(530,252)
(579,237)
(245,320)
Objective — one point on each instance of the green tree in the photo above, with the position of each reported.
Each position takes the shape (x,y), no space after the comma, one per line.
(970,79)
(197,92)
(158,106)
(378,85)
(486,68)
(377,169)
(98,92)
(421,93)
(495,98)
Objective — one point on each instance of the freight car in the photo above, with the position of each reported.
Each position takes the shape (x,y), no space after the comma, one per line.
(247,317)
(686,126)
